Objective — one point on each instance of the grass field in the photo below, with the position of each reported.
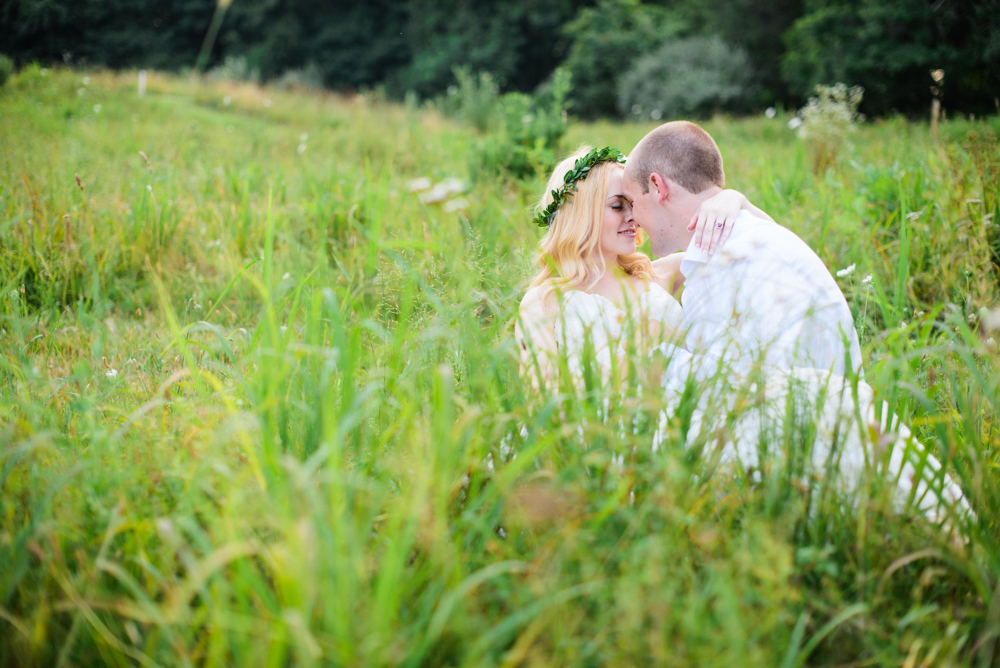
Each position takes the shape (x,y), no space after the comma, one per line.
(259,404)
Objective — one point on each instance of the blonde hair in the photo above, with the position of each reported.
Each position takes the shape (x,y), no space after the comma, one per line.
(570,256)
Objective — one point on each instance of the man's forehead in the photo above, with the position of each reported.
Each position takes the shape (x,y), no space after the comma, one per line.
(628,185)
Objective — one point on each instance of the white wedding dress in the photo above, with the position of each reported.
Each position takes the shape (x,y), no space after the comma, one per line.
(745,423)
(590,324)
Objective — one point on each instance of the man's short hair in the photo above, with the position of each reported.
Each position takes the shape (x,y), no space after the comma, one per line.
(680,151)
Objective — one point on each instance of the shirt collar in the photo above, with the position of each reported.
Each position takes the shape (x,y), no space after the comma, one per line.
(694,257)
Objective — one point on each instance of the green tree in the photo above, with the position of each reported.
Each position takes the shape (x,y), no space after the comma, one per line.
(890,47)
(515,41)
(606,40)
(153,33)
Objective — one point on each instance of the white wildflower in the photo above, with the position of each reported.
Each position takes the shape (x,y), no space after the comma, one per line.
(794,123)
(442,191)
(268,103)
(459,204)
(165,527)
(86,81)
(866,280)
(831,115)
(304,137)
(655,114)
(112,373)
(846,271)
(226,101)
(771,112)
(417,185)
(97,108)
(286,276)
(301,149)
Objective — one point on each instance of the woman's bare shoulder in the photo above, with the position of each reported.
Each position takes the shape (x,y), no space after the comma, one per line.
(535,304)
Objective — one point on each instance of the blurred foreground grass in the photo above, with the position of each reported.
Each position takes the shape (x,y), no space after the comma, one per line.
(259,404)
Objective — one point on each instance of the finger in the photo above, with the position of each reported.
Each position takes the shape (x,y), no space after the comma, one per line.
(723,234)
(698,226)
(710,231)
(730,224)
(721,230)
(720,225)
(694,221)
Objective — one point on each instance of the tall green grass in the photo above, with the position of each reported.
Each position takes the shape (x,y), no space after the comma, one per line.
(259,405)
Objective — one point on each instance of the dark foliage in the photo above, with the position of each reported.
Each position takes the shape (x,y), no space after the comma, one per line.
(163,34)
(891,46)
(411,45)
(887,46)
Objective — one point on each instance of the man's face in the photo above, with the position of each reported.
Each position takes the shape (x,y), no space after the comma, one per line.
(653,218)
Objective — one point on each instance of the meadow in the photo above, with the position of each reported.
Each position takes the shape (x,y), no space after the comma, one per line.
(260,402)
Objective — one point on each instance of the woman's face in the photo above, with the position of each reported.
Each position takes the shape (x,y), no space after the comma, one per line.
(618,231)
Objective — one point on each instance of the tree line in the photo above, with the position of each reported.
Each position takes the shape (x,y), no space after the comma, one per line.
(737,55)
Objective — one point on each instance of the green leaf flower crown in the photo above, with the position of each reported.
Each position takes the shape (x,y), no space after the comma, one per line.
(579,172)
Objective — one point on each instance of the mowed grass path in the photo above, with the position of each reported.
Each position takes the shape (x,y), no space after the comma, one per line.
(259,405)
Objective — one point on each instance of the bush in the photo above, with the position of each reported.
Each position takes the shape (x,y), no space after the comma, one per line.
(685,77)
(6,69)
(475,99)
(827,120)
(235,68)
(309,76)
(532,130)
(606,40)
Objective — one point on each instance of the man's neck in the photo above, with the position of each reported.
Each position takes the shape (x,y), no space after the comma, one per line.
(686,209)
(693,201)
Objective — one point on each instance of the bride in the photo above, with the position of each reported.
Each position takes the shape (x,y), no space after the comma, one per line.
(595,298)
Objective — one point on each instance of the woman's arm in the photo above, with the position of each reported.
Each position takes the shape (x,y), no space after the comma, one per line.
(714,220)
(667,272)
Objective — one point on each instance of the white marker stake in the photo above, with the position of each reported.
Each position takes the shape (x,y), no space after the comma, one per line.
(142,83)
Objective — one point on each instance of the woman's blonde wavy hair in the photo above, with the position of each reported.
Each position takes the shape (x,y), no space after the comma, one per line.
(570,256)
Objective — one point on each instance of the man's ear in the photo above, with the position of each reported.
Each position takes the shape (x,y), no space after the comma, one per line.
(662,188)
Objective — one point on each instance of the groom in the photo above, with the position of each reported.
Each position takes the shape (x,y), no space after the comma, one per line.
(763,297)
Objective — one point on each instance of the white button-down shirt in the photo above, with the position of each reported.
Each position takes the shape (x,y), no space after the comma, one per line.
(764,297)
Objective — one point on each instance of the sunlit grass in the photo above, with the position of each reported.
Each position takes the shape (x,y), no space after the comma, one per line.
(260,405)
